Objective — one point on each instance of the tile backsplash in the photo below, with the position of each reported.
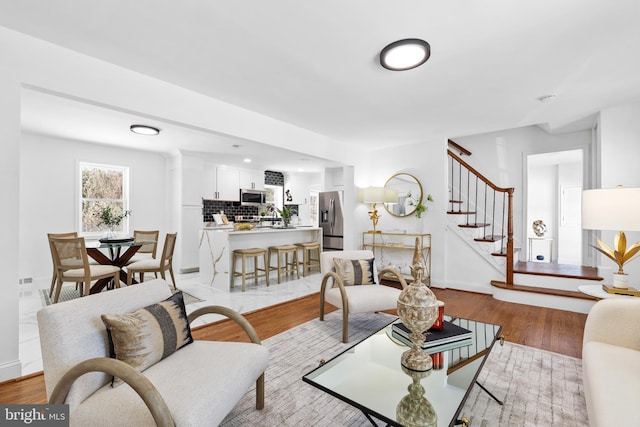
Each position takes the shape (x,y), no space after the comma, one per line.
(231,209)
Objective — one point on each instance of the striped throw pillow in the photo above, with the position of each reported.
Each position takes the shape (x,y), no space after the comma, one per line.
(148,335)
(355,271)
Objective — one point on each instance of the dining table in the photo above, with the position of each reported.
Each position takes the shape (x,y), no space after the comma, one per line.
(116,252)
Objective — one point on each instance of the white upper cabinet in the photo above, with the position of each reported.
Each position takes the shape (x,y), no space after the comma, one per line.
(297,185)
(251,180)
(226,184)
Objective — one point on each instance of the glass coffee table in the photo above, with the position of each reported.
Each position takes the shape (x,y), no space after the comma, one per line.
(369,376)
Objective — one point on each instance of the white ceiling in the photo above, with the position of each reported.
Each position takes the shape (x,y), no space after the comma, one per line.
(315,64)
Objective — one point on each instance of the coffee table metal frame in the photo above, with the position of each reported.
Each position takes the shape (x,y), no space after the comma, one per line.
(368,375)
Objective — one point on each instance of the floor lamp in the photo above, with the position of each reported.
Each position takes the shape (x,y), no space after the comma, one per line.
(613,209)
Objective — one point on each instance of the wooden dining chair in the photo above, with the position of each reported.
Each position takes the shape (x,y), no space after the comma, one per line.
(50,236)
(148,250)
(161,265)
(72,265)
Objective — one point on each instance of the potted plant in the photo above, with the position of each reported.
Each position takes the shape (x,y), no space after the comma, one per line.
(111,218)
(285,214)
(420,207)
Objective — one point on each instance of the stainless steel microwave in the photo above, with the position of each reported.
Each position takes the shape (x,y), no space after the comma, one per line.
(252,197)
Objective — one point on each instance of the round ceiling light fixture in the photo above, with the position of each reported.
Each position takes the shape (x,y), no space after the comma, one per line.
(405,54)
(144,130)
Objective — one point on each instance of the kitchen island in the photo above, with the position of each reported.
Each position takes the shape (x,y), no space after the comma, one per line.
(217,246)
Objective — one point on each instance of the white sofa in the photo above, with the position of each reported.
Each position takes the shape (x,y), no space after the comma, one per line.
(197,385)
(611,362)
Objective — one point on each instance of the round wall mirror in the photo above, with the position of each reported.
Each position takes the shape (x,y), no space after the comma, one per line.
(409,194)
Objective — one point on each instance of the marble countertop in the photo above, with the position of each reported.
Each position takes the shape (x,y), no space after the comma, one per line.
(263,229)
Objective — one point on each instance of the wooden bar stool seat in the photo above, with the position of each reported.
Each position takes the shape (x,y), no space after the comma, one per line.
(287,260)
(310,256)
(257,272)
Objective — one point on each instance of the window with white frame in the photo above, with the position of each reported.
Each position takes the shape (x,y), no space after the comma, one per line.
(103,187)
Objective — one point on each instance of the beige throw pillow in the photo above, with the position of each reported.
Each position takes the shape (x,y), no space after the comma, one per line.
(355,271)
(148,335)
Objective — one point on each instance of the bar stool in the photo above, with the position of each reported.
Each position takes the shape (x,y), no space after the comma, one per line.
(308,260)
(254,253)
(290,255)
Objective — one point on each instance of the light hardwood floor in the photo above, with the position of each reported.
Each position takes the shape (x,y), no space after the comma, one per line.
(548,329)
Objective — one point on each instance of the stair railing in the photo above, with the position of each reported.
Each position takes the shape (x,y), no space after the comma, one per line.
(487,206)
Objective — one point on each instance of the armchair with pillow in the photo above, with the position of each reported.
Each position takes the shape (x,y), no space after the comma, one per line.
(349,283)
(140,336)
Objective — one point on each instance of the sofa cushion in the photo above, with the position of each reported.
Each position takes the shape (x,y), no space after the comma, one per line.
(150,334)
(611,383)
(232,368)
(355,271)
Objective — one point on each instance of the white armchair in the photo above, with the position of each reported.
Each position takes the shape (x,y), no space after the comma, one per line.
(198,384)
(611,362)
(355,298)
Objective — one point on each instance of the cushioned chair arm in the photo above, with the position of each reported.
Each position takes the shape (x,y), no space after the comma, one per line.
(614,321)
(231,314)
(396,273)
(145,389)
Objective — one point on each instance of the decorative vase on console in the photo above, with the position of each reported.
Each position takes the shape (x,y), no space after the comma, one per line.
(418,310)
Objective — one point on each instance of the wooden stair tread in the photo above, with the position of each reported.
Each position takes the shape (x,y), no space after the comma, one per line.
(545,291)
(493,238)
(557,270)
(460,213)
(504,252)
(477,225)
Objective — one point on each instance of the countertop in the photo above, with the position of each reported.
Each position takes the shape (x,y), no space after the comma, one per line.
(258,230)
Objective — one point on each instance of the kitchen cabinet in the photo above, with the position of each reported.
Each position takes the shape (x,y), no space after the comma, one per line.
(223,183)
(252,180)
(298,187)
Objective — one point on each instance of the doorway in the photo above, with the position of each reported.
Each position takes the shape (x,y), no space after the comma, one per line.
(554,189)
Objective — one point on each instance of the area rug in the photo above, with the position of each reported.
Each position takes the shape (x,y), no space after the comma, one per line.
(69,292)
(539,388)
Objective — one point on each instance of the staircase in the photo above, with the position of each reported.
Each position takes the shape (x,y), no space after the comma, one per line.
(481,214)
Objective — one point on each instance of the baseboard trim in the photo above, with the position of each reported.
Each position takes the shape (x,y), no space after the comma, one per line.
(10,370)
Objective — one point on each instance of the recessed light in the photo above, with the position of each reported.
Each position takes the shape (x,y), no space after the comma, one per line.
(405,54)
(144,130)
(247,160)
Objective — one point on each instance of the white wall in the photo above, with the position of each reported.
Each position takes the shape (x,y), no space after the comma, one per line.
(542,205)
(620,153)
(10,366)
(427,162)
(49,191)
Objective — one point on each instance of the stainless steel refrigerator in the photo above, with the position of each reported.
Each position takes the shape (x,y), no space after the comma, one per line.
(331,220)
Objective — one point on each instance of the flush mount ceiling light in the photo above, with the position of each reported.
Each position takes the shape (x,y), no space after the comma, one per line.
(144,130)
(405,54)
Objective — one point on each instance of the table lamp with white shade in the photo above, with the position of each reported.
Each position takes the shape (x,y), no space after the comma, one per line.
(374,195)
(614,209)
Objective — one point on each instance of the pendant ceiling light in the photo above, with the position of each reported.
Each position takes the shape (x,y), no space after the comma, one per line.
(405,54)
(144,130)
